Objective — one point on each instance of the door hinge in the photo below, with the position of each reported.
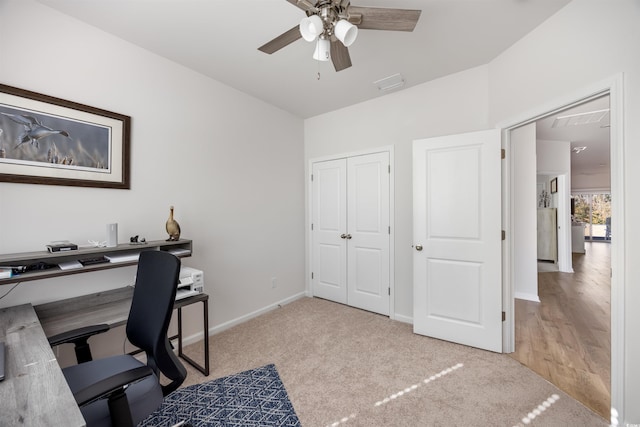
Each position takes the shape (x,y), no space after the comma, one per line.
(504,316)
(504,235)
(312,275)
(389,291)
(389,229)
(311,226)
(389,168)
(311,177)
(503,153)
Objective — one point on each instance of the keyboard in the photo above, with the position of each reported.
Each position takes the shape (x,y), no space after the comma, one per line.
(93,261)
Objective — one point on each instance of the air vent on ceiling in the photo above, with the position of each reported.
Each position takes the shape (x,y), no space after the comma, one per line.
(577,119)
(389,83)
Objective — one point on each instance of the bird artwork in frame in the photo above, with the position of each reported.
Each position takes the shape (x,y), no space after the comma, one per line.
(47,140)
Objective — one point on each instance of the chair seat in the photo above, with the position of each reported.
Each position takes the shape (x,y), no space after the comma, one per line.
(144,397)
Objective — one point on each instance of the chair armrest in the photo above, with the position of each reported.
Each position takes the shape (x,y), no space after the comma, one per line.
(109,385)
(80,338)
(76,335)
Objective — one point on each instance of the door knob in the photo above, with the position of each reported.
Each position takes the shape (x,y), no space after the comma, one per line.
(348,236)
(343,236)
(418,248)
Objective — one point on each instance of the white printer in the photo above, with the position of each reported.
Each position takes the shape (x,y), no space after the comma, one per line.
(191,282)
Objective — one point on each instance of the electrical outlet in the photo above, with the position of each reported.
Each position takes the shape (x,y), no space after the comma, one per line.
(274,282)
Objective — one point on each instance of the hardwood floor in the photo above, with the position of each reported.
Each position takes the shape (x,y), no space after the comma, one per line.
(566,338)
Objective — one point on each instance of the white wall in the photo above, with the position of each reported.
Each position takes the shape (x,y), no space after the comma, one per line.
(587,183)
(453,104)
(231,164)
(585,43)
(553,157)
(524,208)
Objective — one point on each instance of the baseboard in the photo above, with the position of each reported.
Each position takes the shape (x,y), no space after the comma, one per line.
(231,323)
(527,297)
(403,319)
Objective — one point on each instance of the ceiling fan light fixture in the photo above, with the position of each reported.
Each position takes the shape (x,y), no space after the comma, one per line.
(578,150)
(346,32)
(323,50)
(311,27)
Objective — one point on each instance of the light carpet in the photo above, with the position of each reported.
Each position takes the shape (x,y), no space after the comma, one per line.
(344,366)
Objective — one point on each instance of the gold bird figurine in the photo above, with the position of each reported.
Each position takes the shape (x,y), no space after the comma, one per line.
(173,228)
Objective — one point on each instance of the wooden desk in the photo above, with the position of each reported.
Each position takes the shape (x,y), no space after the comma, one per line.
(181,248)
(112,307)
(34,392)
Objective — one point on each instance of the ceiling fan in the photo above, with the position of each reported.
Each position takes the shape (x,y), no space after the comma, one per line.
(334,24)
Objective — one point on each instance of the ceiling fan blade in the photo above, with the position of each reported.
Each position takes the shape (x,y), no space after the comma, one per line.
(340,56)
(306,5)
(372,18)
(281,41)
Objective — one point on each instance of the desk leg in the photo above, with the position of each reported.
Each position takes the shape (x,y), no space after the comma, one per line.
(205,369)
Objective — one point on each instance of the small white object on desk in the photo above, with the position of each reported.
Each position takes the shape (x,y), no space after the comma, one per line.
(70,265)
(179,251)
(6,273)
(123,257)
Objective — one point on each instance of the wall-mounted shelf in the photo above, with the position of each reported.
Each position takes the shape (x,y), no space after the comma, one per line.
(181,248)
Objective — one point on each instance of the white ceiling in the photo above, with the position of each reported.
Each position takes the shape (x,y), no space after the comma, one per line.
(219,38)
(594,135)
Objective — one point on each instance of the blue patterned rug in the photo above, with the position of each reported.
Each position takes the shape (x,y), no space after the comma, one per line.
(252,398)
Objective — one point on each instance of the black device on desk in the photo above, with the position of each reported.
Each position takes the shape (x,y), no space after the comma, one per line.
(40,265)
(93,260)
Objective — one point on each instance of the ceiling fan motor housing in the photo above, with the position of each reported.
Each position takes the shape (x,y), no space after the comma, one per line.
(334,25)
(330,14)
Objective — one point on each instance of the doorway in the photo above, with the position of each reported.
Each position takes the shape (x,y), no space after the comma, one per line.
(613,365)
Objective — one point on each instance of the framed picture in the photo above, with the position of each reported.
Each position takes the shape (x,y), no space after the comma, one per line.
(554,185)
(47,140)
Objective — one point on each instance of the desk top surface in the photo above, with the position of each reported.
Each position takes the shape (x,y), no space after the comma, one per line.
(34,392)
(109,307)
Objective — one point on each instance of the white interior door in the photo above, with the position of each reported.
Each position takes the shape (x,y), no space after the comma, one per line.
(368,280)
(329,219)
(457,237)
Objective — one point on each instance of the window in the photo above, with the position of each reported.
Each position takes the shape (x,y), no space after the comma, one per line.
(594,210)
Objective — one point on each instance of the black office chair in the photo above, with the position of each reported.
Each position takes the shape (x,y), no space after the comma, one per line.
(121,390)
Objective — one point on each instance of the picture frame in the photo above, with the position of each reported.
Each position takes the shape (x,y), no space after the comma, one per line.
(52,141)
(554,185)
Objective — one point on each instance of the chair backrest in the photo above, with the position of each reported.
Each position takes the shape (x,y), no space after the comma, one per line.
(150,314)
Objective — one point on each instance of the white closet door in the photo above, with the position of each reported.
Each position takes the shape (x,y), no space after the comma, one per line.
(329,218)
(368,232)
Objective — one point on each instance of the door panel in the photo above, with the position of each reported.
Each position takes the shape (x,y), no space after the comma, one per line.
(368,279)
(455,294)
(368,225)
(457,222)
(329,222)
